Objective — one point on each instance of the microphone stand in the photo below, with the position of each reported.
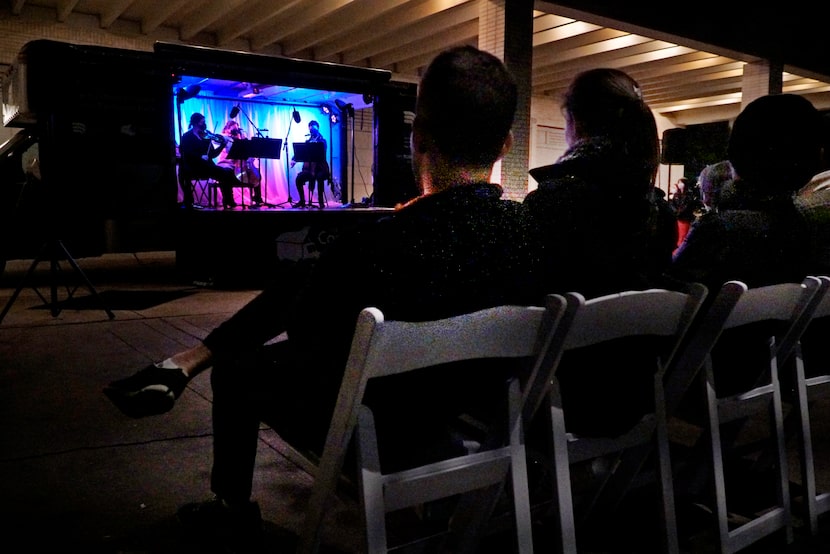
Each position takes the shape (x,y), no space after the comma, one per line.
(258,130)
(264,183)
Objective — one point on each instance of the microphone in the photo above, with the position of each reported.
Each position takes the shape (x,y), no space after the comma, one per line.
(296,116)
(234,111)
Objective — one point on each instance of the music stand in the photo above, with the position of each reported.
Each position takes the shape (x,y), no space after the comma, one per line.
(309,152)
(255,148)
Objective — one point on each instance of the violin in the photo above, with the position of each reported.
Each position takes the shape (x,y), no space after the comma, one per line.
(214,136)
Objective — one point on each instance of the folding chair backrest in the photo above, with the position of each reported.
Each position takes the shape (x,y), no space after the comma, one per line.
(808,390)
(791,306)
(382,347)
(631,314)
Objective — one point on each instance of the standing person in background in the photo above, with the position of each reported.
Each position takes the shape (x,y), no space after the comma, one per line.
(458,247)
(687,205)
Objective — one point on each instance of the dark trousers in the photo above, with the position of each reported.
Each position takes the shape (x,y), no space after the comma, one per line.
(224,176)
(296,398)
(264,386)
(307,178)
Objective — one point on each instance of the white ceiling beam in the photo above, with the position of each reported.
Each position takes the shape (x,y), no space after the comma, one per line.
(64,9)
(421,31)
(356,14)
(266,11)
(365,45)
(113,10)
(202,18)
(161,11)
(305,20)
(402,58)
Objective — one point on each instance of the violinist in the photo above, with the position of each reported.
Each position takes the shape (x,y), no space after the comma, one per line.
(198,150)
(313,172)
(245,170)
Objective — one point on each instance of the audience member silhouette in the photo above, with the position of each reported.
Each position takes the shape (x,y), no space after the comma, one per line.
(813,199)
(594,208)
(760,237)
(714,182)
(601,229)
(456,248)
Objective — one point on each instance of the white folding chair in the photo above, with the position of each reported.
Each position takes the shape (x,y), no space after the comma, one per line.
(807,390)
(789,304)
(657,313)
(390,347)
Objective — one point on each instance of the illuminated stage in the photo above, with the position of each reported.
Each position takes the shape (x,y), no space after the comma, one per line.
(108,139)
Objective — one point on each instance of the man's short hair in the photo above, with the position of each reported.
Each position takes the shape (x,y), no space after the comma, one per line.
(195,117)
(466,104)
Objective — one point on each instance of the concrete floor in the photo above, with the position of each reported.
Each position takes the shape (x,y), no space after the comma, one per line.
(78,476)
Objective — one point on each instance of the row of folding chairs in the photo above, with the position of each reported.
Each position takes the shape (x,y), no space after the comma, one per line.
(685,326)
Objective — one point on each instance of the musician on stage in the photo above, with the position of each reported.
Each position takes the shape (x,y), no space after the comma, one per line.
(245,170)
(198,151)
(313,172)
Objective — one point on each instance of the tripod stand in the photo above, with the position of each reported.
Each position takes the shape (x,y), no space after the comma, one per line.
(54,250)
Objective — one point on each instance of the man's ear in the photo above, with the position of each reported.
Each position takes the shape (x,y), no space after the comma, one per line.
(508,144)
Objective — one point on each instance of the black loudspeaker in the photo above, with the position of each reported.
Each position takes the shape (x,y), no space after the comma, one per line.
(394,108)
(674,150)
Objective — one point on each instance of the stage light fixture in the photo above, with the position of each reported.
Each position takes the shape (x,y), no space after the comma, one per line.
(333,118)
(343,107)
(188,92)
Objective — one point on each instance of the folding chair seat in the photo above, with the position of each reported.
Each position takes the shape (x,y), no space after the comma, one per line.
(787,306)
(383,348)
(200,187)
(659,315)
(811,384)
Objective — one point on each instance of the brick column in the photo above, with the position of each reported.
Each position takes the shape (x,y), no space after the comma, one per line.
(506,31)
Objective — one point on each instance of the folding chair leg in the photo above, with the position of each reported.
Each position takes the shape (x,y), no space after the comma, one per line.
(773,520)
(815,504)
(670,540)
(562,493)
(717,462)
